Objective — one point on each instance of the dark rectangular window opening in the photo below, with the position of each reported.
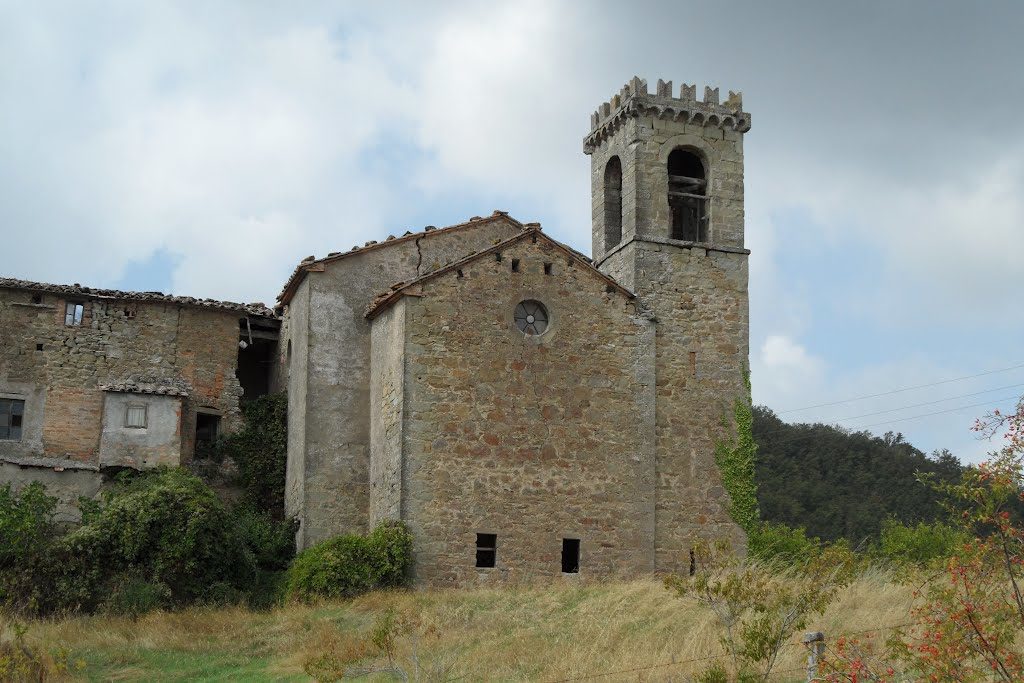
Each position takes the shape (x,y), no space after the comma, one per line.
(547,269)
(39,347)
(486,550)
(515,265)
(570,556)
(207,427)
(12,411)
(497,256)
(37,298)
(458,273)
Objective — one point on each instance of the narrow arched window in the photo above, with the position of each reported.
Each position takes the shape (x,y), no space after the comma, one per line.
(687,196)
(612,203)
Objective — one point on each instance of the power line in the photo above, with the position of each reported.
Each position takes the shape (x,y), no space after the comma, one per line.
(897,391)
(931,403)
(938,412)
(801,437)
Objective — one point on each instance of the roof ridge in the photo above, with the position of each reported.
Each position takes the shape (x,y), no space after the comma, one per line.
(306,263)
(255,308)
(385,298)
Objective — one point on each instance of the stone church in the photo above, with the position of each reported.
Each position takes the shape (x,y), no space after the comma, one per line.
(527,410)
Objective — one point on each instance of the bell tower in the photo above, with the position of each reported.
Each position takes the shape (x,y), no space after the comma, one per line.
(667,167)
(667,197)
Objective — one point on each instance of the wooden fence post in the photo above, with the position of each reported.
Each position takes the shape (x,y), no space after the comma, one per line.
(815,644)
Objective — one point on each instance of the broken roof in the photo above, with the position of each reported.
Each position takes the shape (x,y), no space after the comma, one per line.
(77,290)
(310,263)
(531,230)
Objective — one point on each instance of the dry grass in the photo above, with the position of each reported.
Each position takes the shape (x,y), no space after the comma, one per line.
(519,633)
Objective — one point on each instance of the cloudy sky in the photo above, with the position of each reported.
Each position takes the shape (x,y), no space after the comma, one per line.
(204,148)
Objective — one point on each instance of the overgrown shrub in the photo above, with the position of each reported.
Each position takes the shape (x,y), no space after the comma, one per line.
(345,566)
(26,523)
(260,450)
(169,528)
(778,543)
(271,542)
(918,545)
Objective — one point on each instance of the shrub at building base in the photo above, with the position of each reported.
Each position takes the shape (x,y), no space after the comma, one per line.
(260,450)
(162,539)
(345,566)
(170,528)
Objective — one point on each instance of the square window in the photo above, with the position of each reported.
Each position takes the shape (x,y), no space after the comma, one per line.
(486,550)
(135,416)
(570,556)
(73,313)
(12,411)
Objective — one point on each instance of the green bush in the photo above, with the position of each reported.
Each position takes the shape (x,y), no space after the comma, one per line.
(170,528)
(260,450)
(917,545)
(26,523)
(159,539)
(345,566)
(271,542)
(779,543)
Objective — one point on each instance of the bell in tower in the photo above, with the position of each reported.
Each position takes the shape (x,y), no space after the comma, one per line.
(667,179)
(667,167)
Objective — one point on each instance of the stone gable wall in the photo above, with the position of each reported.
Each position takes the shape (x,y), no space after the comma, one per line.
(334,495)
(534,439)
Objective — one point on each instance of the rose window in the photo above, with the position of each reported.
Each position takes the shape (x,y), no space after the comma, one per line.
(531,317)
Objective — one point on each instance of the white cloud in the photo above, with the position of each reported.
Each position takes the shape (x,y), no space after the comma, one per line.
(783,371)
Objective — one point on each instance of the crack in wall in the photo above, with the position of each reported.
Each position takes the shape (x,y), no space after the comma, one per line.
(419,256)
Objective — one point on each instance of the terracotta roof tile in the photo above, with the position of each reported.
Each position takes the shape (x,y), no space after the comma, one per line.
(311,263)
(77,290)
(167,387)
(397,290)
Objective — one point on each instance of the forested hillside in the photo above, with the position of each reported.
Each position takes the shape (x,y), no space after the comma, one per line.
(842,484)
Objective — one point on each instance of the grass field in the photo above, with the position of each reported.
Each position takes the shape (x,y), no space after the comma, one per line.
(630,631)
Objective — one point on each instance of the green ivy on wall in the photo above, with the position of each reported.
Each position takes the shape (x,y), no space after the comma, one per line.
(735,460)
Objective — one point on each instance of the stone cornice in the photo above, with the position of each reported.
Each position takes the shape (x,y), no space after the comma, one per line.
(634,101)
(685,244)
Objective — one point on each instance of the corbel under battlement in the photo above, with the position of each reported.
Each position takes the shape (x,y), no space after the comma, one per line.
(634,100)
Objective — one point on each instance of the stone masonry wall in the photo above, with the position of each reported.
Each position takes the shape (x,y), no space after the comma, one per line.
(335,496)
(643,145)
(535,439)
(58,369)
(700,297)
(697,291)
(387,397)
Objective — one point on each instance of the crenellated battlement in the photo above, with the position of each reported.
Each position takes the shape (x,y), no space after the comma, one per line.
(634,100)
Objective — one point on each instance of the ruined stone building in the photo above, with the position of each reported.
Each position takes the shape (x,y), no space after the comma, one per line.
(97,380)
(525,409)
